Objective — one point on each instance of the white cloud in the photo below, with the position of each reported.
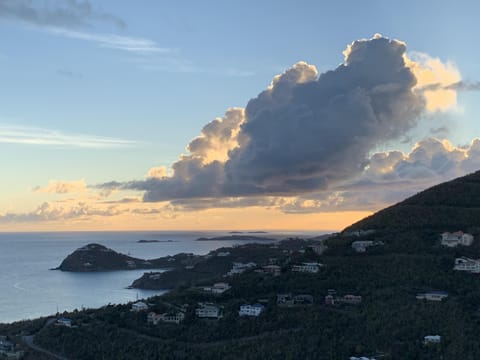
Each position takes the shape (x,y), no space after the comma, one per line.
(27,135)
(112,41)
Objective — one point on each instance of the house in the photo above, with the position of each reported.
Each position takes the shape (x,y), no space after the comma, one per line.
(64,322)
(360,246)
(432,295)
(223,253)
(217,288)
(169,317)
(274,270)
(318,249)
(456,238)
(303,299)
(251,310)
(331,299)
(238,268)
(432,339)
(139,306)
(468,265)
(307,267)
(285,300)
(208,310)
(297,300)
(351,299)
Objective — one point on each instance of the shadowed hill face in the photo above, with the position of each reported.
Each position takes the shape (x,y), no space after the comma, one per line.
(453,205)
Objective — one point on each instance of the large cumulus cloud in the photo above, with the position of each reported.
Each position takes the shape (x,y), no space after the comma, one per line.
(307,132)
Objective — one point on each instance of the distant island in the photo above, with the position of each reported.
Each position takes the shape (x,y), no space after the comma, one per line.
(236,237)
(143,241)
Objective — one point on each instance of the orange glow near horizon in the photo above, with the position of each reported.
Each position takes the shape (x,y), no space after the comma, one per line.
(254,218)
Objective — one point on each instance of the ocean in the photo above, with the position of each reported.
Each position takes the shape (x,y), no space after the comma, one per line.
(28,289)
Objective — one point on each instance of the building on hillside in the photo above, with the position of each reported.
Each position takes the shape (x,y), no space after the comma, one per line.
(318,249)
(432,339)
(285,300)
(139,306)
(168,317)
(217,288)
(456,238)
(360,246)
(468,265)
(208,310)
(307,267)
(303,299)
(349,299)
(238,268)
(64,322)
(251,310)
(274,270)
(432,295)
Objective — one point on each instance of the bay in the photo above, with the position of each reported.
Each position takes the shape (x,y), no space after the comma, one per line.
(28,289)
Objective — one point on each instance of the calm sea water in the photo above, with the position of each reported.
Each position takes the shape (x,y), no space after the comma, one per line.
(28,289)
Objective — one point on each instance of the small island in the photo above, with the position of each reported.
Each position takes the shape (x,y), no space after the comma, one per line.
(96,257)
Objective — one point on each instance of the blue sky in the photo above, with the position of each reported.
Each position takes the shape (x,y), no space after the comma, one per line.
(191,61)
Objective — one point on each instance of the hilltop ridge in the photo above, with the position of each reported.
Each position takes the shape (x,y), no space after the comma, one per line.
(449,206)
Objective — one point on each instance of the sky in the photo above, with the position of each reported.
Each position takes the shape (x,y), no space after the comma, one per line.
(220,115)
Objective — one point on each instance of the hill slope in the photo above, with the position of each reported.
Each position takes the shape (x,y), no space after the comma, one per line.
(451,205)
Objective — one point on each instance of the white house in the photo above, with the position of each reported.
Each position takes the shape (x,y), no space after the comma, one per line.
(456,238)
(466,264)
(251,310)
(139,306)
(432,339)
(208,310)
(223,253)
(171,317)
(432,295)
(217,288)
(239,268)
(64,322)
(361,246)
(275,270)
(308,267)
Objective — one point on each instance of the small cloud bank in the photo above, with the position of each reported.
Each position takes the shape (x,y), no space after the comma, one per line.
(63,187)
(307,132)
